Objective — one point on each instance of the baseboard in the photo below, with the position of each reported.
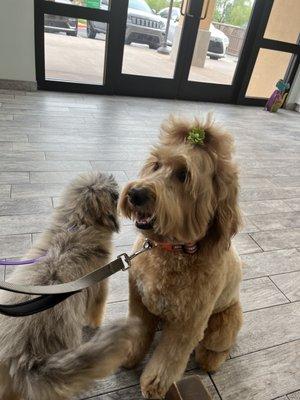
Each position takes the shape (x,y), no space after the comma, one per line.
(9,84)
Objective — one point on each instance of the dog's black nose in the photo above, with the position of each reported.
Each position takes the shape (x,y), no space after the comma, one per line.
(138,196)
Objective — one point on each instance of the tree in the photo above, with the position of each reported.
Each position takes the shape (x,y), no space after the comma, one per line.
(240,12)
(222,10)
(158,5)
(233,12)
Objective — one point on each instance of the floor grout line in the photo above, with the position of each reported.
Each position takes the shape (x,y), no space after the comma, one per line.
(279,289)
(215,385)
(265,348)
(269,276)
(256,242)
(270,306)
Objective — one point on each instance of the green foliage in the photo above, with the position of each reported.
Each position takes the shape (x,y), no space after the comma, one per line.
(222,10)
(233,12)
(158,5)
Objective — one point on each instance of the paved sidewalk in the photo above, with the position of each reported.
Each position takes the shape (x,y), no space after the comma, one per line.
(79,59)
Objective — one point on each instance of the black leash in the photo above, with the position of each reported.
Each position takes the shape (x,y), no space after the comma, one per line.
(51,295)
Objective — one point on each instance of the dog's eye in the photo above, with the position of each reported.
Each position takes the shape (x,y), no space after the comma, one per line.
(182,174)
(156,166)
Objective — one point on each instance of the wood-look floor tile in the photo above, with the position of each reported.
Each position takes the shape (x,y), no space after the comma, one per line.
(294,396)
(270,263)
(14,177)
(260,376)
(277,239)
(260,292)
(267,328)
(245,244)
(264,207)
(276,220)
(289,284)
(25,206)
(12,246)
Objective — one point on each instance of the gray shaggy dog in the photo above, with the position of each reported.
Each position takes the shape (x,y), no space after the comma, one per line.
(43,357)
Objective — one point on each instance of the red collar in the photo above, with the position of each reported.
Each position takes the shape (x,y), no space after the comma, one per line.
(188,248)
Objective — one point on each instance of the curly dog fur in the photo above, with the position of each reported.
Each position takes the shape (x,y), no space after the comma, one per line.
(42,356)
(191,196)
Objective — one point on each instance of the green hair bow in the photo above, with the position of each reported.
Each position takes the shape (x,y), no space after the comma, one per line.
(196,136)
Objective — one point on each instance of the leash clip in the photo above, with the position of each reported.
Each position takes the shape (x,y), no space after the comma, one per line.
(126,259)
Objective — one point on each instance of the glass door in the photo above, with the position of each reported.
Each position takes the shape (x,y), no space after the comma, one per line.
(210,50)
(152,53)
(189,49)
(224,36)
(78,44)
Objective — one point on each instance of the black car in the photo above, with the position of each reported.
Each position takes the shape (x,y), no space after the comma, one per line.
(57,23)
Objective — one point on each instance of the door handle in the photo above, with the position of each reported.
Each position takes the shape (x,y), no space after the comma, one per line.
(186,8)
(206,10)
(181,9)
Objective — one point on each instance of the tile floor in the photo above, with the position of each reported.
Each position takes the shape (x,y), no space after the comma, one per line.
(47,138)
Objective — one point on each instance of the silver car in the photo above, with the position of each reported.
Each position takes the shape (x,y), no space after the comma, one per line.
(143,26)
(218,42)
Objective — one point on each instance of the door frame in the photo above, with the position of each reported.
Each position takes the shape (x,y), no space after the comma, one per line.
(115,82)
(113,48)
(260,42)
(179,86)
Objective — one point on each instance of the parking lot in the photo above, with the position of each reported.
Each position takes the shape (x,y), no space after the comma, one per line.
(80,59)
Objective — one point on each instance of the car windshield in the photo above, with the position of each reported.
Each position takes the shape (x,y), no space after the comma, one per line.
(140,5)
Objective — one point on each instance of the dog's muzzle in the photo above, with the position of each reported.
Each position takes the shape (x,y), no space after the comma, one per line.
(138,196)
(140,199)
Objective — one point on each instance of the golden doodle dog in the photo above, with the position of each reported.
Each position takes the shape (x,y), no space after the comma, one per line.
(42,357)
(185,202)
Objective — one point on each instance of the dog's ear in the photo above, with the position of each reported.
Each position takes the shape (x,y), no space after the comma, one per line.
(227,217)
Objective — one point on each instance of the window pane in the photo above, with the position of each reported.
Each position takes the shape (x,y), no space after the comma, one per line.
(74,49)
(146,52)
(99,4)
(219,41)
(270,66)
(284,21)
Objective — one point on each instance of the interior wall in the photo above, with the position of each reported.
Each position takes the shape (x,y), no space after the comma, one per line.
(17,57)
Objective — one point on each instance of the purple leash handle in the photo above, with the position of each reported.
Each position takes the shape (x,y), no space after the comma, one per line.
(6,262)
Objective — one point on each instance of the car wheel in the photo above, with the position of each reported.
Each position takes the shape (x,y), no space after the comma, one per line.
(91,33)
(154,46)
(214,57)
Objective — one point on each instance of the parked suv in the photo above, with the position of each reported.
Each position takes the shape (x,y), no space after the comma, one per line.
(218,42)
(57,23)
(143,26)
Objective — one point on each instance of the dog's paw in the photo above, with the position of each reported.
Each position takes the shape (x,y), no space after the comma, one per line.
(155,384)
